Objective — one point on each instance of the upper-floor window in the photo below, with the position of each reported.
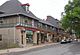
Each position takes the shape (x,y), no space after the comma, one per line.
(1,21)
(50,27)
(0,37)
(54,28)
(46,26)
(26,21)
(38,25)
(43,25)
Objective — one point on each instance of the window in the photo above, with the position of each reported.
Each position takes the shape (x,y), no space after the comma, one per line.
(39,25)
(26,21)
(53,28)
(0,37)
(1,20)
(24,7)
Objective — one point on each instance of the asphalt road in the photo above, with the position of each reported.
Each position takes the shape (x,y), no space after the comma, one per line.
(59,49)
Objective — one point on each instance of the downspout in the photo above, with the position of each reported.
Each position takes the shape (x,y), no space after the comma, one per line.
(14,34)
(14,28)
(19,19)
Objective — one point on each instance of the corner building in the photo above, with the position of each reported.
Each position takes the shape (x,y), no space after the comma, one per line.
(20,26)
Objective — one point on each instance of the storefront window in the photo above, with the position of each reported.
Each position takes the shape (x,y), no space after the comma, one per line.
(29,36)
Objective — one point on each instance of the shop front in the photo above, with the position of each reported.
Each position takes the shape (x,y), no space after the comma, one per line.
(29,36)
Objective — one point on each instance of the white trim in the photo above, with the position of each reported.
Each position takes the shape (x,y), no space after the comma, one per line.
(32,23)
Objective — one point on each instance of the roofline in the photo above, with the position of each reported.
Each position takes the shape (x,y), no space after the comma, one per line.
(38,19)
(46,23)
(6,15)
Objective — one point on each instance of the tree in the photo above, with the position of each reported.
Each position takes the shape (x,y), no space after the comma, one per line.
(71,19)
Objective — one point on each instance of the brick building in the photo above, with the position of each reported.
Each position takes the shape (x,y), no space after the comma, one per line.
(20,25)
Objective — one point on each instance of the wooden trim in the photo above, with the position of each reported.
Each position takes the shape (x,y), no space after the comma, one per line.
(34,29)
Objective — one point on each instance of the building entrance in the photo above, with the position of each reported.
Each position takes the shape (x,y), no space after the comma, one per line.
(29,36)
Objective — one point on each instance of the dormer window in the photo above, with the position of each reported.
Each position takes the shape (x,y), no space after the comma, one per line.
(24,7)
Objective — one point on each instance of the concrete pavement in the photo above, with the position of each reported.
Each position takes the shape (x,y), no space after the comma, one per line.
(24,49)
(60,49)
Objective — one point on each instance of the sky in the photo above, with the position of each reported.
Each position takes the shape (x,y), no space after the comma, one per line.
(44,8)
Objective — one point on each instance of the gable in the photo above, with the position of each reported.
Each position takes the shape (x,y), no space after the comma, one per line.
(14,7)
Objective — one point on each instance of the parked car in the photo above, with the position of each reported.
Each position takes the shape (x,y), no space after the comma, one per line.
(75,39)
(69,40)
(63,42)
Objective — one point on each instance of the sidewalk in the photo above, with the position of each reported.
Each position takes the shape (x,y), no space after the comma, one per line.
(24,49)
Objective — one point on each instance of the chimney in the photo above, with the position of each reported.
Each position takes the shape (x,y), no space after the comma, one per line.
(48,18)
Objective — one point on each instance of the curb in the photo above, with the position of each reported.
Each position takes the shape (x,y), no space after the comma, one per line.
(15,51)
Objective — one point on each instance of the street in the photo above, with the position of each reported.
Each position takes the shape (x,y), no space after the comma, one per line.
(59,49)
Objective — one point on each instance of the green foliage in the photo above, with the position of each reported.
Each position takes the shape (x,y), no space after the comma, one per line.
(71,19)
